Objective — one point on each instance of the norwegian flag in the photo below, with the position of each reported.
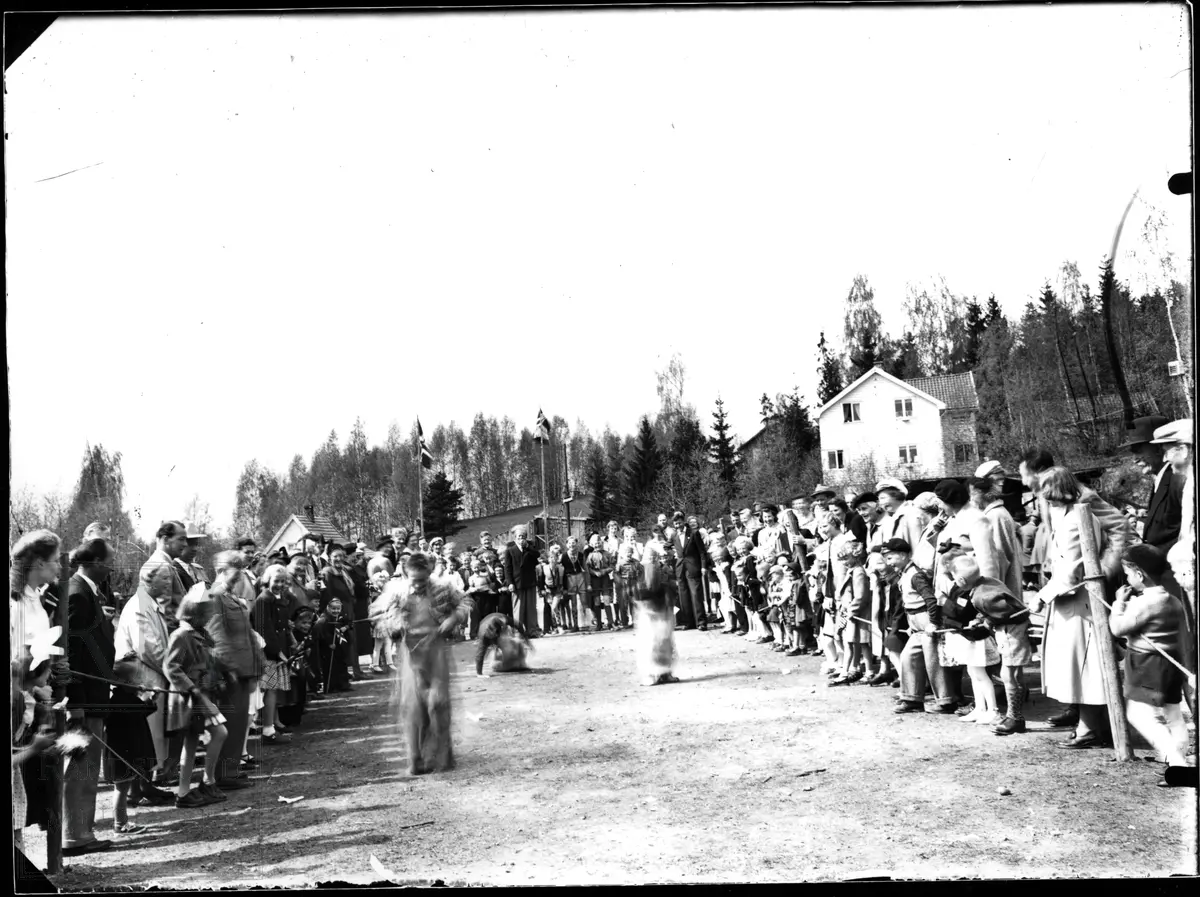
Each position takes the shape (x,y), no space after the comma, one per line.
(542,428)
(426,455)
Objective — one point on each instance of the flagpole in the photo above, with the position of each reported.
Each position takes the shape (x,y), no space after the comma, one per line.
(421,496)
(545,507)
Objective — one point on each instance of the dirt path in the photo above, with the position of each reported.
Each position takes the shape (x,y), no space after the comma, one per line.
(575,775)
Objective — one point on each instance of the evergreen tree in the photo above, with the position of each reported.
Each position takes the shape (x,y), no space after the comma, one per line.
(829,370)
(766,409)
(993,314)
(443,504)
(723,450)
(905,363)
(642,471)
(598,484)
(976,324)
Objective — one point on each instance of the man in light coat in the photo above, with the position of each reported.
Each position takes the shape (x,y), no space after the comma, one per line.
(1004,562)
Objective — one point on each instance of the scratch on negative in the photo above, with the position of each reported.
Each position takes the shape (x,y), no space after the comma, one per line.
(65,173)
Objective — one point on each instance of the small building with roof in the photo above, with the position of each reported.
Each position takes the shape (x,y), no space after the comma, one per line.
(308,523)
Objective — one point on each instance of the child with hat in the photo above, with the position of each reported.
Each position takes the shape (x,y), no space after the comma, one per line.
(1006,617)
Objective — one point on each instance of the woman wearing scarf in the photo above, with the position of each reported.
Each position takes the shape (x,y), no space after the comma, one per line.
(143,630)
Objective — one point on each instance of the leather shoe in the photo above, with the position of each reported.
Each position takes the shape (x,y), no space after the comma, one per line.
(154,797)
(1065,720)
(1009,726)
(1076,742)
(93,846)
(942,708)
(909,707)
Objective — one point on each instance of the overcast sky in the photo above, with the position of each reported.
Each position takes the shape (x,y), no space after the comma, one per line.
(291,221)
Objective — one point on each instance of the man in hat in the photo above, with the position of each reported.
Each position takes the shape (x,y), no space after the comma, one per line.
(1161,526)
(1177,439)
(189,571)
(900,520)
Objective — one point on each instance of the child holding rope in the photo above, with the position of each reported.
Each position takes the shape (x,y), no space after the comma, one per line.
(195,675)
(1148,616)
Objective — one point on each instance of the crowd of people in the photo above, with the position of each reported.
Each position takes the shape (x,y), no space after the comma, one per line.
(932,594)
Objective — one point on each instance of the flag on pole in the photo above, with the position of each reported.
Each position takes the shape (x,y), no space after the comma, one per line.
(426,455)
(542,428)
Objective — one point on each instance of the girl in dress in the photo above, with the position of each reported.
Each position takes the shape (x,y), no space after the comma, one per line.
(973,648)
(745,588)
(721,562)
(854,601)
(195,676)
(777,595)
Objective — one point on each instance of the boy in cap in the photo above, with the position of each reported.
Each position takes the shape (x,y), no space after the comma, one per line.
(918,659)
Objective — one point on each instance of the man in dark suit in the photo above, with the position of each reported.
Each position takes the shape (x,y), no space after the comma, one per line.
(520,569)
(1161,526)
(90,651)
(691,563)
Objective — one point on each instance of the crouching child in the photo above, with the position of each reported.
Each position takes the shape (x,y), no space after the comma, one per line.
(1006,617)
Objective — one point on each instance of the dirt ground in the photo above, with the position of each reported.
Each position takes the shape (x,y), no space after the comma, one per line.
(576,775)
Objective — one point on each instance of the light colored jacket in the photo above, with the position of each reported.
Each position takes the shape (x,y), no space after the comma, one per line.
(143,630)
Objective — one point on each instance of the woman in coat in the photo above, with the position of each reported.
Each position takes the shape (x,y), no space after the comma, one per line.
(1070,660)
(235,646)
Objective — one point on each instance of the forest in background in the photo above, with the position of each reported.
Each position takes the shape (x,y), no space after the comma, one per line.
(1060,375)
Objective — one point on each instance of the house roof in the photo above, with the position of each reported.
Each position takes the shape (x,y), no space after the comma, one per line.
(880,372)
(317,525)
(749,443)
(955,390)
(501,524)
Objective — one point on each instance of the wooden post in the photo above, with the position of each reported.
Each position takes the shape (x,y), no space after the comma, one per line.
(1102,639)
(54,822)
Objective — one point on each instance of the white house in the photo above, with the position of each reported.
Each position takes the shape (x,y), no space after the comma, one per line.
(912,429)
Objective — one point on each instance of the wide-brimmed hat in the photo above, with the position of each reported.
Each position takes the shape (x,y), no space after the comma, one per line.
(1143,429)
(193,531)
(892,483)
(1175,431)
(822,489)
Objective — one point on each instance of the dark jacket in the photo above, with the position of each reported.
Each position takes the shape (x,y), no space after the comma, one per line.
(90,648)
(690,553)
(1161,527)
(271,619)
(520,567)
(336,587)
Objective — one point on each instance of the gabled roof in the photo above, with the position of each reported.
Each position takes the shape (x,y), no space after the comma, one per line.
(880,372)
(955,390)
(317,525)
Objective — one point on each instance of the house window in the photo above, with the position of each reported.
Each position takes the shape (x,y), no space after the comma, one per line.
(964,452)
(850,413)
(908,454)
(835,460)
(903,408)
